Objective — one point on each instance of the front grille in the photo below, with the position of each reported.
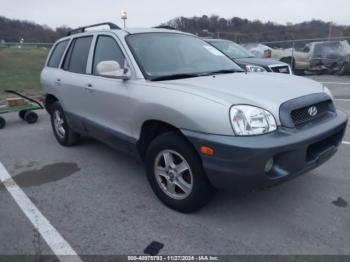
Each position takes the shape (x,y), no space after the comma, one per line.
(307,114)
(284,69)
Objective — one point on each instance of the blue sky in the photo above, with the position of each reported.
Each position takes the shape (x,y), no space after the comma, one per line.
(153,12)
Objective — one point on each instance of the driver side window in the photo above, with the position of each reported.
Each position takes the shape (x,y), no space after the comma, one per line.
(107,49)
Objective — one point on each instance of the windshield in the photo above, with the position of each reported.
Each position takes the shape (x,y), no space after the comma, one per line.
(165,55)
(232,49)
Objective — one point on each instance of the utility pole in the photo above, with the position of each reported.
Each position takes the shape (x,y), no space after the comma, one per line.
(330,31)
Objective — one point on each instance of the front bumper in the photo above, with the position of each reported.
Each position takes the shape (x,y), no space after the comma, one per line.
(239,162)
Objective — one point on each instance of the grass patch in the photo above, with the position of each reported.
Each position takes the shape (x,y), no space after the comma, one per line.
(20,69)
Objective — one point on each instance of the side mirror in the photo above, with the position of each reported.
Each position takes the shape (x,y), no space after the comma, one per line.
(306,50)
(112,69)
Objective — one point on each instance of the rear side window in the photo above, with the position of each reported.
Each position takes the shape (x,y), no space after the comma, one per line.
(77,55)
(107,49)
(57,53)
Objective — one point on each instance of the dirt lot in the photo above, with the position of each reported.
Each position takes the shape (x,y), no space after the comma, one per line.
(99,202)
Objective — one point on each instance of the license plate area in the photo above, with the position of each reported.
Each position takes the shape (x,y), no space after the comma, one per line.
(324,148)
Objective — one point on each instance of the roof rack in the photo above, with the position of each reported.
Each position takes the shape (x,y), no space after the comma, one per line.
(165,27)
(82,29)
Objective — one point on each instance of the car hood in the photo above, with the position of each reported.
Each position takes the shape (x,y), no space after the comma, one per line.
(265,90)
(258,61)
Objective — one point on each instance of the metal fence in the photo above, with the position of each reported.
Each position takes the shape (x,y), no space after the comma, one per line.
(25,45)
(299,44)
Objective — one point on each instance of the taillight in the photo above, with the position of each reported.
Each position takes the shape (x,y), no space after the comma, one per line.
(268,53)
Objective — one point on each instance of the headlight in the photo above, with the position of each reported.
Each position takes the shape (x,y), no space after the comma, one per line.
(255,69)
(250,120)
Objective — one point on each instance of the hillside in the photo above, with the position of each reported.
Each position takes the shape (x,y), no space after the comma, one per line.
(12,30)
(244,30)
(235,28)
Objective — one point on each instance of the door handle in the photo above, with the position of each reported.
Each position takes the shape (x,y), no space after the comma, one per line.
(58,82)
(88,88)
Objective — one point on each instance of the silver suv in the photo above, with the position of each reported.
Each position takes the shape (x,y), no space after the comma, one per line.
(195,118)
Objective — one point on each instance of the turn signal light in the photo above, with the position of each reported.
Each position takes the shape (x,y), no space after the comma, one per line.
(207,151)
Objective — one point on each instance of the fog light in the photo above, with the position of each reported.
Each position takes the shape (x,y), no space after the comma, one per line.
(269,165)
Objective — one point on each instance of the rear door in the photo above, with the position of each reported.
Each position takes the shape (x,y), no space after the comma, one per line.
(51,73)
(73,79)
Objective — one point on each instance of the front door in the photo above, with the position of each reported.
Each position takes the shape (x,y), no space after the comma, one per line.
(107,99)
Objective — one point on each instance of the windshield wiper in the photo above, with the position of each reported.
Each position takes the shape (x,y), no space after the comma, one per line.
(189,75)
(174,76)
(223,71)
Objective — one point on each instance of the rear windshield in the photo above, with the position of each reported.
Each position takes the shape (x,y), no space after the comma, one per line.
(165,54)
(324,49)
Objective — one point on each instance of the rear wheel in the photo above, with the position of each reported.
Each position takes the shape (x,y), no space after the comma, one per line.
(30,117)
(63,133)
(2,123)
(175,173)
(290,61)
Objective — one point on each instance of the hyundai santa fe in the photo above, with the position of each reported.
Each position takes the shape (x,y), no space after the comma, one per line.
(196,119)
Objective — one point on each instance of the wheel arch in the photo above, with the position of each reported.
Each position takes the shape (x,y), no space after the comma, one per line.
(289,60)
(153,128)
(49,101)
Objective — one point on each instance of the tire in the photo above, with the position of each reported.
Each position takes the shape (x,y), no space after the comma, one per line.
(2,123)
(342,71)
(30,117)
(290,61)
(197,191)
(299,72)
(63,133)
(21,114)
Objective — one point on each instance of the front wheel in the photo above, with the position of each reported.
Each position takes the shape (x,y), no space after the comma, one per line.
(176,175)
(342,70)
(21,114)
(63,133)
